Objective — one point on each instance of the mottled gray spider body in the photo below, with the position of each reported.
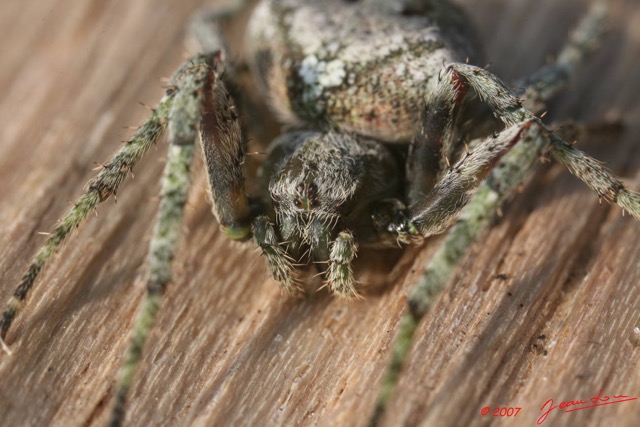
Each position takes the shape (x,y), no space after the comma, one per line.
(364,67)
(356,80)
(359,74)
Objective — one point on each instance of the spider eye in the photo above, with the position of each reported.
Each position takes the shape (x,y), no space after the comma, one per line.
(298,203)
(312,191)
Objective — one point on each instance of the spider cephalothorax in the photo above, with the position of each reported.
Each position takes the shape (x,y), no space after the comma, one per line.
(324,183)
(327,178)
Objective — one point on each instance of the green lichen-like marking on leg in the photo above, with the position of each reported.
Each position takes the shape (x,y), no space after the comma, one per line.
(161,253)
(97,190)
(144,323)
(506,176)
(188,86)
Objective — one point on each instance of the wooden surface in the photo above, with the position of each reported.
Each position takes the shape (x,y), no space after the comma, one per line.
(228,349)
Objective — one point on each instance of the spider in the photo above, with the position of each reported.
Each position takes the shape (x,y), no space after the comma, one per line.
(336,183)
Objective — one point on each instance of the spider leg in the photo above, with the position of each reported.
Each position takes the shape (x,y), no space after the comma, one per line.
(548,81)
(224,155)
(436,143)
(508,108)
(507,175)
(279,262)
(340,273)
(99,189)
(107,182)
(204,27)
(223,152)
(431,149)
(187,87)
(502,180)
(433,213)
(220,131)
(536,89)
(201,97)
(510,172)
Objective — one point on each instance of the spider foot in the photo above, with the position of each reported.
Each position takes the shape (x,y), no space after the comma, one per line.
(280,263)
(340,273)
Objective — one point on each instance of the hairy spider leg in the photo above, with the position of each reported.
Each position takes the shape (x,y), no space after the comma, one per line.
(224,155)
(187,89)
(338,255)
(279,262)
(432,148)
(433,214)
(340,273)
(538,88)
(107,182)
(510,172)
(99,189)
(201,97)
(508,108)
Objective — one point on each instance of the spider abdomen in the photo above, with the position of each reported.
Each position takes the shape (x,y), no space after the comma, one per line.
(364,67)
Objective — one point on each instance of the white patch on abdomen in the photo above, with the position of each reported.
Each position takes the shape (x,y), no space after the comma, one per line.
(319,75)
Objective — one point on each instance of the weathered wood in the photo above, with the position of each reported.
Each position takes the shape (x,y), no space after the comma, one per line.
(544,306)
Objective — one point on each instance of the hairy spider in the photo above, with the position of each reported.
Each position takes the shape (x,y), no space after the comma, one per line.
(355,83)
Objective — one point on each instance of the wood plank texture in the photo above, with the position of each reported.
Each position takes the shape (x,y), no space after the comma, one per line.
(228,348)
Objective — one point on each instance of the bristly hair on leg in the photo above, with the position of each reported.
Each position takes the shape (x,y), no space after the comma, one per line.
(510,173)
(188,86)
(105,184)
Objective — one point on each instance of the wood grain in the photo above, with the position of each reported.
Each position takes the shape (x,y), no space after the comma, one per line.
(228,349)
